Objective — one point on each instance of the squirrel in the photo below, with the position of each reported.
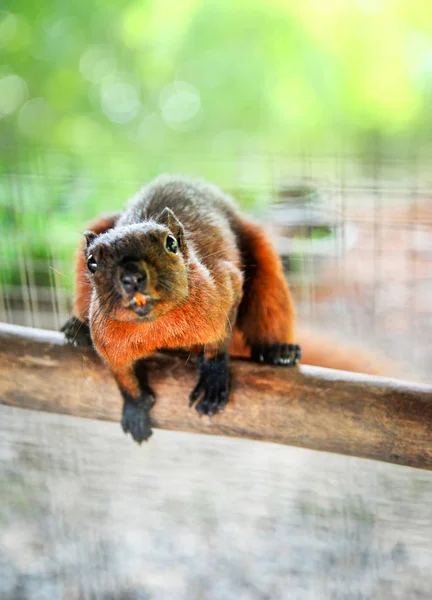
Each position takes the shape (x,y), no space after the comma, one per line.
(183,268)
(180,268)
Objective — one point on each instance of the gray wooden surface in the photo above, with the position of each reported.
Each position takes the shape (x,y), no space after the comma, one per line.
(86,514)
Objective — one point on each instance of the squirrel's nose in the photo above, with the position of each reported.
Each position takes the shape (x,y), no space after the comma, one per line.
(133,279)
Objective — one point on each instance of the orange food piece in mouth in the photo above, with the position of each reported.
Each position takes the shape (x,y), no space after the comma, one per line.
(140,299)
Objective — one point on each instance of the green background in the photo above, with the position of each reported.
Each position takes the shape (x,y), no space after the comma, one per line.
(97,97)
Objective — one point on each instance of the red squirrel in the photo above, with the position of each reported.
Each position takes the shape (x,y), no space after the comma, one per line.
(180,268)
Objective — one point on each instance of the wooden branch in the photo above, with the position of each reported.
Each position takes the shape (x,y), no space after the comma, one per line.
(316,408)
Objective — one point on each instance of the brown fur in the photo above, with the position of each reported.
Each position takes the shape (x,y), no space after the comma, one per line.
(224,277)
(266,311)
(204,319)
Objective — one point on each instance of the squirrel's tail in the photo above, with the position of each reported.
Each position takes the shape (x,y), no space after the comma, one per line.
(322,350)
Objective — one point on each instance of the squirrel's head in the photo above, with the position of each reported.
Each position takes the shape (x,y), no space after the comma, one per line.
(139,272)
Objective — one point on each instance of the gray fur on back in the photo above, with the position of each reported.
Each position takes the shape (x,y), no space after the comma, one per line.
(193,201)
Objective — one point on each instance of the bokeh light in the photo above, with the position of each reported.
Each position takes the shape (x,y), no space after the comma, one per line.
(13,91)
(179,103)
(120,101)
(97,62)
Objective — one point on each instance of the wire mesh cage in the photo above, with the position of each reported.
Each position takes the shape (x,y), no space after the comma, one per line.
(354,233)
(85,516)
(92,94)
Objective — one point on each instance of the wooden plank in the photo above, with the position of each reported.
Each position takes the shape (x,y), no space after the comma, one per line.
(335,411)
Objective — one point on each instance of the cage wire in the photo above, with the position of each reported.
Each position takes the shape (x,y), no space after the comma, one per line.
(354,233)
(86,514)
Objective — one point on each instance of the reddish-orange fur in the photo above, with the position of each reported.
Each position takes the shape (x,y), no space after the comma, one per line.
(198,321)
(180,268)
(266,312)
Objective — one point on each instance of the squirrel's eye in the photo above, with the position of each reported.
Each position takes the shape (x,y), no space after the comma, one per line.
(92,264)
(171,244)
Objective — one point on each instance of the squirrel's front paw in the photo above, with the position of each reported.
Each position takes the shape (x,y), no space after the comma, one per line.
(212,386)
(77,332)
(136,418)
(276,354)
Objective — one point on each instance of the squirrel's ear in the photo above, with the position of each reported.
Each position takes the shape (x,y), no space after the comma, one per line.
(168,218)
(89,236)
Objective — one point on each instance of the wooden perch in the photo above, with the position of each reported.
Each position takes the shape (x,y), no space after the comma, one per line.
(316,408)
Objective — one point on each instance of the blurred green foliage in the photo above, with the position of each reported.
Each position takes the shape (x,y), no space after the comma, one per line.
(98,96)
(196,76)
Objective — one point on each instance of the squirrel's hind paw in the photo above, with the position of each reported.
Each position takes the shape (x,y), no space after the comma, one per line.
(285,355)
